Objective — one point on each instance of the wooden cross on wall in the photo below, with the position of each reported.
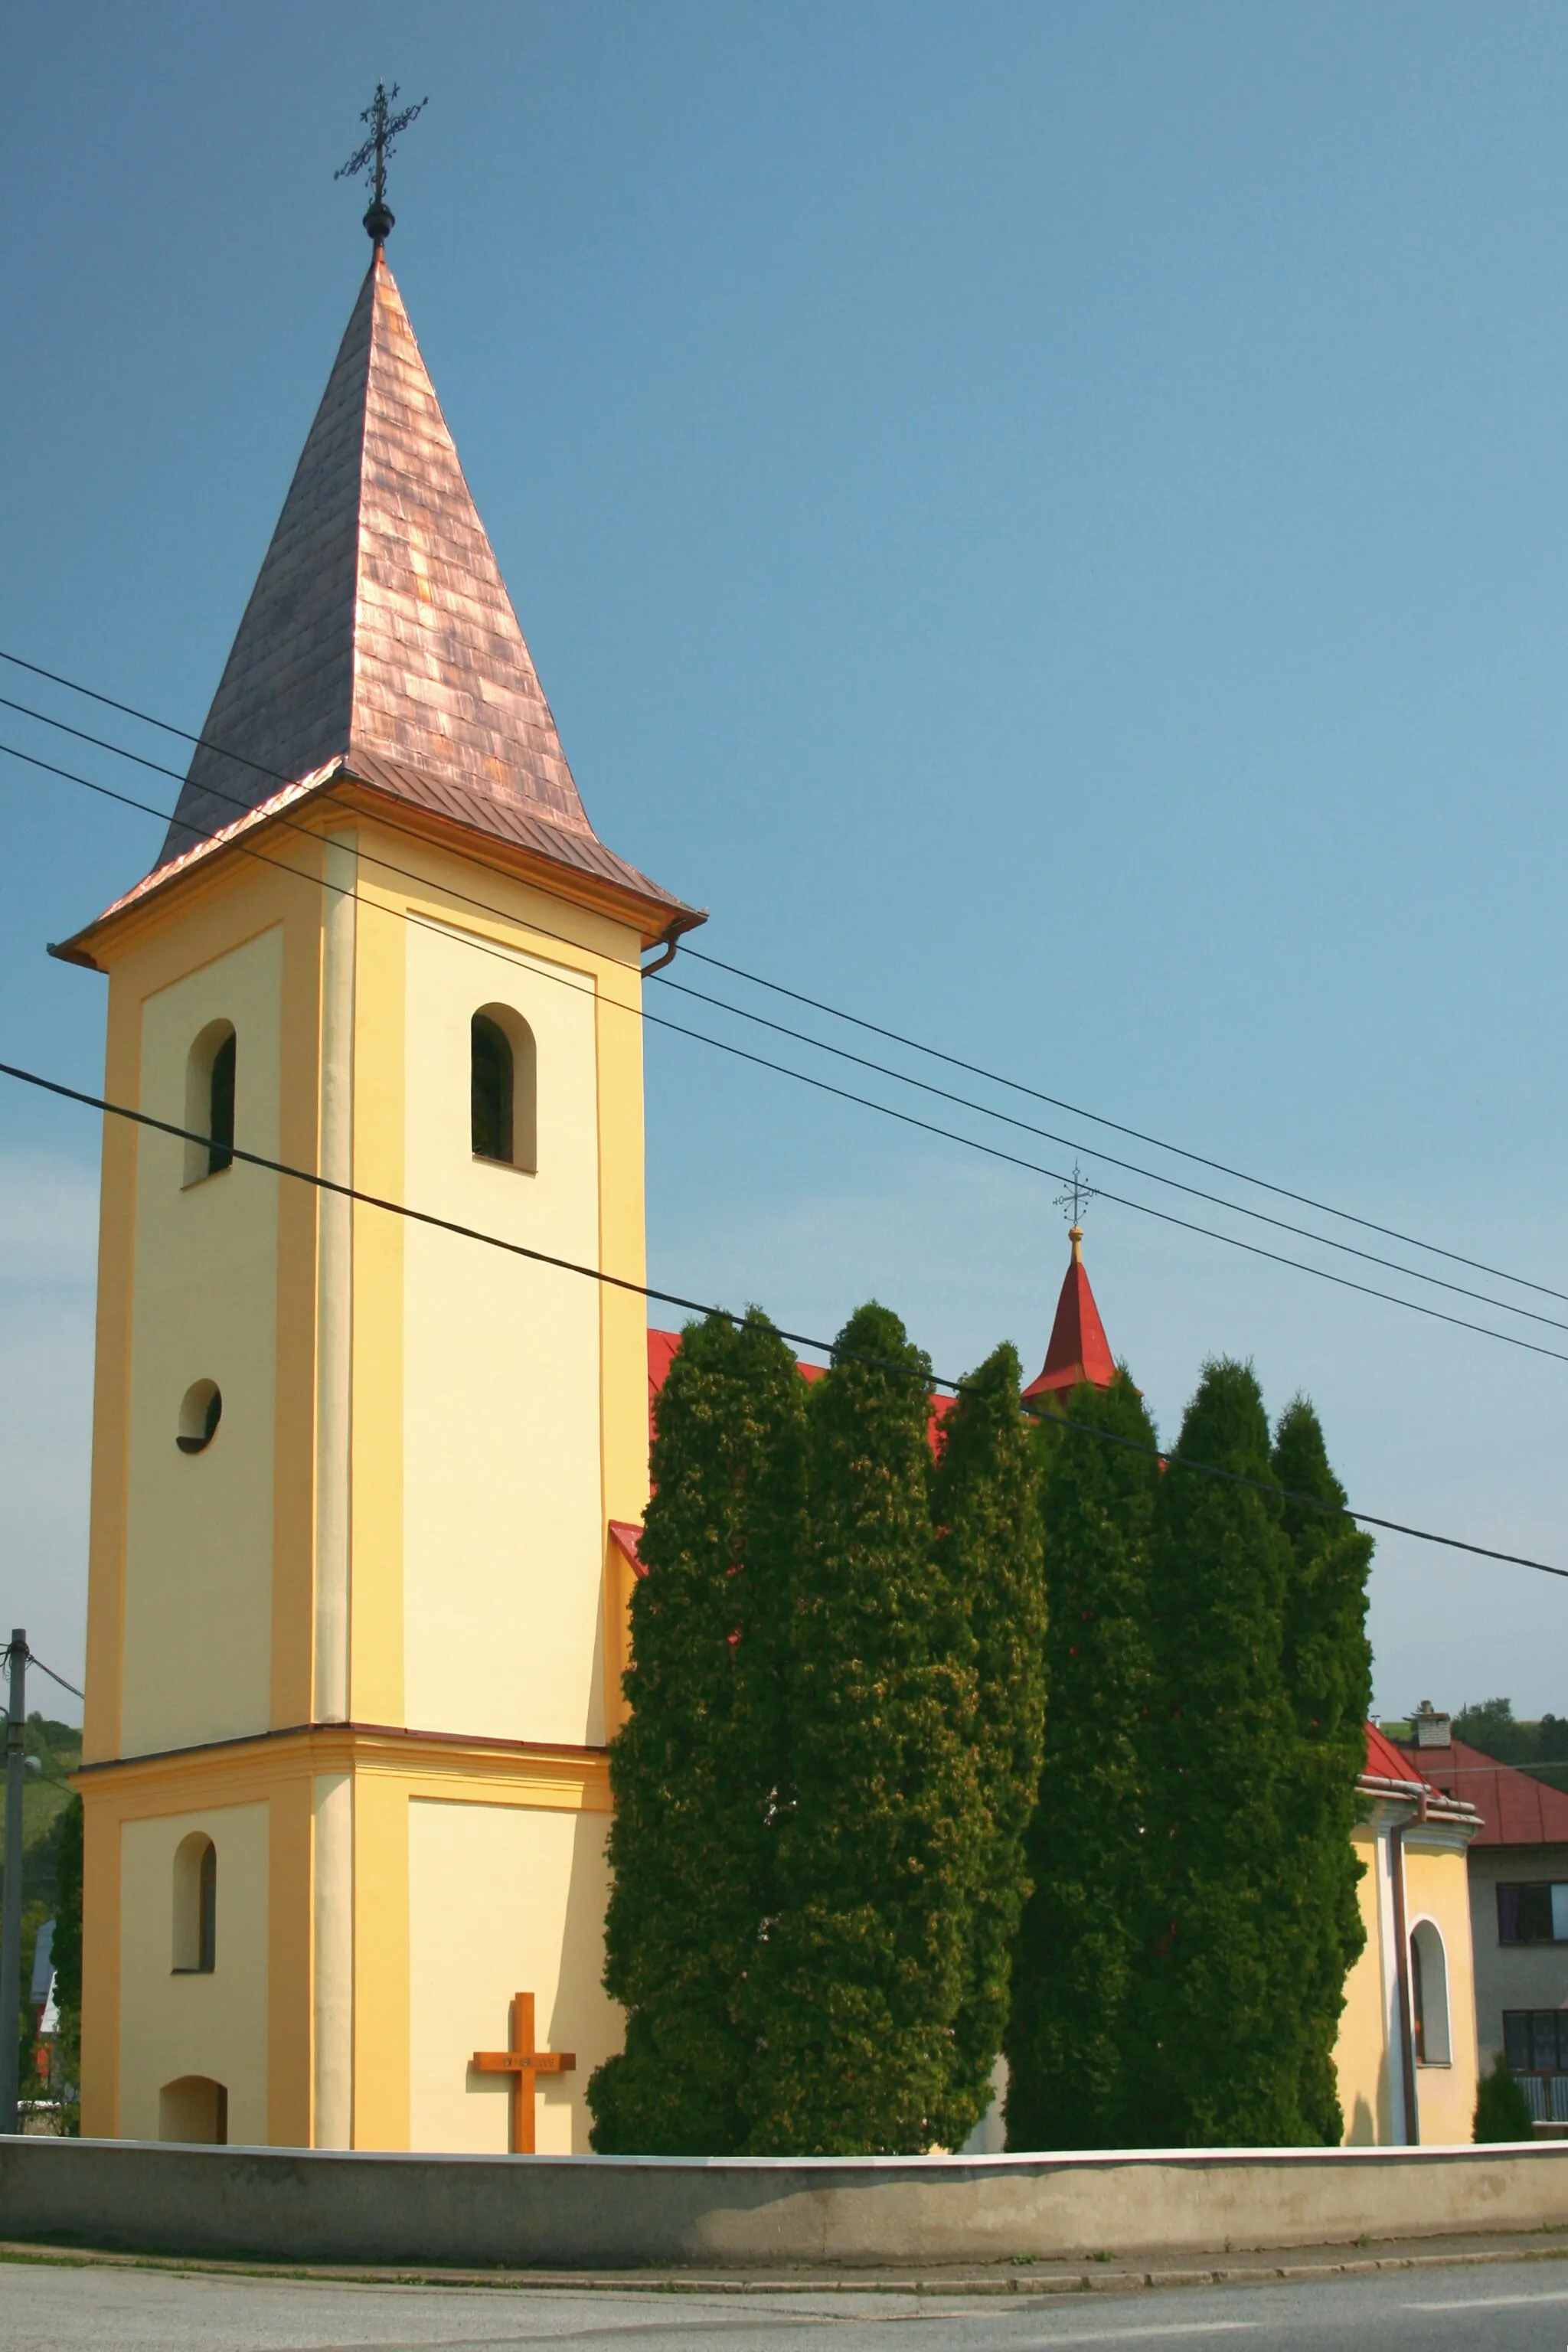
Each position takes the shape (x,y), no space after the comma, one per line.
(524,2063)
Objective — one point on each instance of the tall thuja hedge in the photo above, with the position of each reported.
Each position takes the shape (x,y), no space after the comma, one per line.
(1073,2077)
(866,1962)
(1326,1663)
(1217,2043)
(694,1768)
(985,1506)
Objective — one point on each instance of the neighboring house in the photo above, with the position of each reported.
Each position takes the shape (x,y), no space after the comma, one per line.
(1519,1910)
(1407,2054)
(41,1995)
(46,2018)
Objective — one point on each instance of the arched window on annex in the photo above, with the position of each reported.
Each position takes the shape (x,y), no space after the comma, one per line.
(195,1905)
(1429,1994)
(210,1070)
(504,1093)
(195,2108)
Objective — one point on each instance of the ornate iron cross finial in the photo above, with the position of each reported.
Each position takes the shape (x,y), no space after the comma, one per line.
(1078,1196)
(384,127)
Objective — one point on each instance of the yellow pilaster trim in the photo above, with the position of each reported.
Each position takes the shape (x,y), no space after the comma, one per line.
(293,1504)
(288,1965)
(381,2072)
(111,1387)
(375,1506)
(623,1315)
(100,1942)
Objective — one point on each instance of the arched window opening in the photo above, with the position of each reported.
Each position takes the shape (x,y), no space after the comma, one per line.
(491,1091)
(201,1409)
(195,2109)
(195,1905)
(1429,1995)
(209,1101)
(503,1087)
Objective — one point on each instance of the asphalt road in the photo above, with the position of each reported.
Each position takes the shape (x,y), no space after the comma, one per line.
(50,2307)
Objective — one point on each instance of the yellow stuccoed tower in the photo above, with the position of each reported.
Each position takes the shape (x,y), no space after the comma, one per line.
(356,1621)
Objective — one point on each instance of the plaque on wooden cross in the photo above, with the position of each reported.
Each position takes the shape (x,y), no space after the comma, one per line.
(524,2063)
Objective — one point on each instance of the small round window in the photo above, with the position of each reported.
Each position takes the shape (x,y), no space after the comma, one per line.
(200,1414)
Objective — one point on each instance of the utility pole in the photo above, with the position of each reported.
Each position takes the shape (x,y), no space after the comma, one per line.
(11,1909)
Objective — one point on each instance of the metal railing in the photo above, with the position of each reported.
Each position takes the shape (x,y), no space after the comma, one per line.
(1547,2095)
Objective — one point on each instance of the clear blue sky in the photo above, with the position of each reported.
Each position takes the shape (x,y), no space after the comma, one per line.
(1050,521)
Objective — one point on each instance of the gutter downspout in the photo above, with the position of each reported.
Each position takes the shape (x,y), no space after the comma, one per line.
(670,941)
(1401,1974)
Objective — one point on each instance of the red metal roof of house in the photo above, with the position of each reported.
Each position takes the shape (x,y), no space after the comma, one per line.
(662,1349)
(1079,1349)
(1515,1808)
(1385,1761)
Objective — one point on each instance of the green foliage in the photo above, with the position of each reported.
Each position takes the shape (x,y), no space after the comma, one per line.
(1327,1663)
(1219,2047)
(989,1556)
(695,1768)
(54,1749)
(866,1961)
(1502,2111)
(1076,1981)
(1536,1746)
(1490,1725)
(67,1952)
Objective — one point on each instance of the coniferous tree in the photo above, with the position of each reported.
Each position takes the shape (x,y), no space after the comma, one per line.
(1077,1988)
(985,1507)
(694,1766)
(1502,2111)
(1218,2046)
(1328,1673)
(864,1961)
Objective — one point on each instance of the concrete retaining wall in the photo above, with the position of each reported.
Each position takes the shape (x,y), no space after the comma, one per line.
(299,2205)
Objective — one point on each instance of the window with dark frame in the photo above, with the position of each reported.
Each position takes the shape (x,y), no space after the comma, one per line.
(1535,2041)
(1532,1912)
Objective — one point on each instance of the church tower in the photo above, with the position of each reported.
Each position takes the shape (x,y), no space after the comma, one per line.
(356,1621)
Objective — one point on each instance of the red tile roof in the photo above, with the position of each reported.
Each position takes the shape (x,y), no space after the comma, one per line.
(1515,1808)
(1078,1349)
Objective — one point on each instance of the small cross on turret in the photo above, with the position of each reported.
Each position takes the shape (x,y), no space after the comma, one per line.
(1077,1198)
(384,127)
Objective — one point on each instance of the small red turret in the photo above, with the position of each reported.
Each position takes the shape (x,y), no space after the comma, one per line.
(1078,1350)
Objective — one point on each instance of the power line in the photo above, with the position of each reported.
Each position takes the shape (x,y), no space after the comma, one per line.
(818,1044)
(1098,1118)
(844,1094)
(837,1012)
(1110,1160)
(1175,1460)
(34,1659)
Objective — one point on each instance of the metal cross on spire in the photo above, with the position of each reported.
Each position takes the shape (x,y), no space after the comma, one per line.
(384,127)
(1078,1196)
